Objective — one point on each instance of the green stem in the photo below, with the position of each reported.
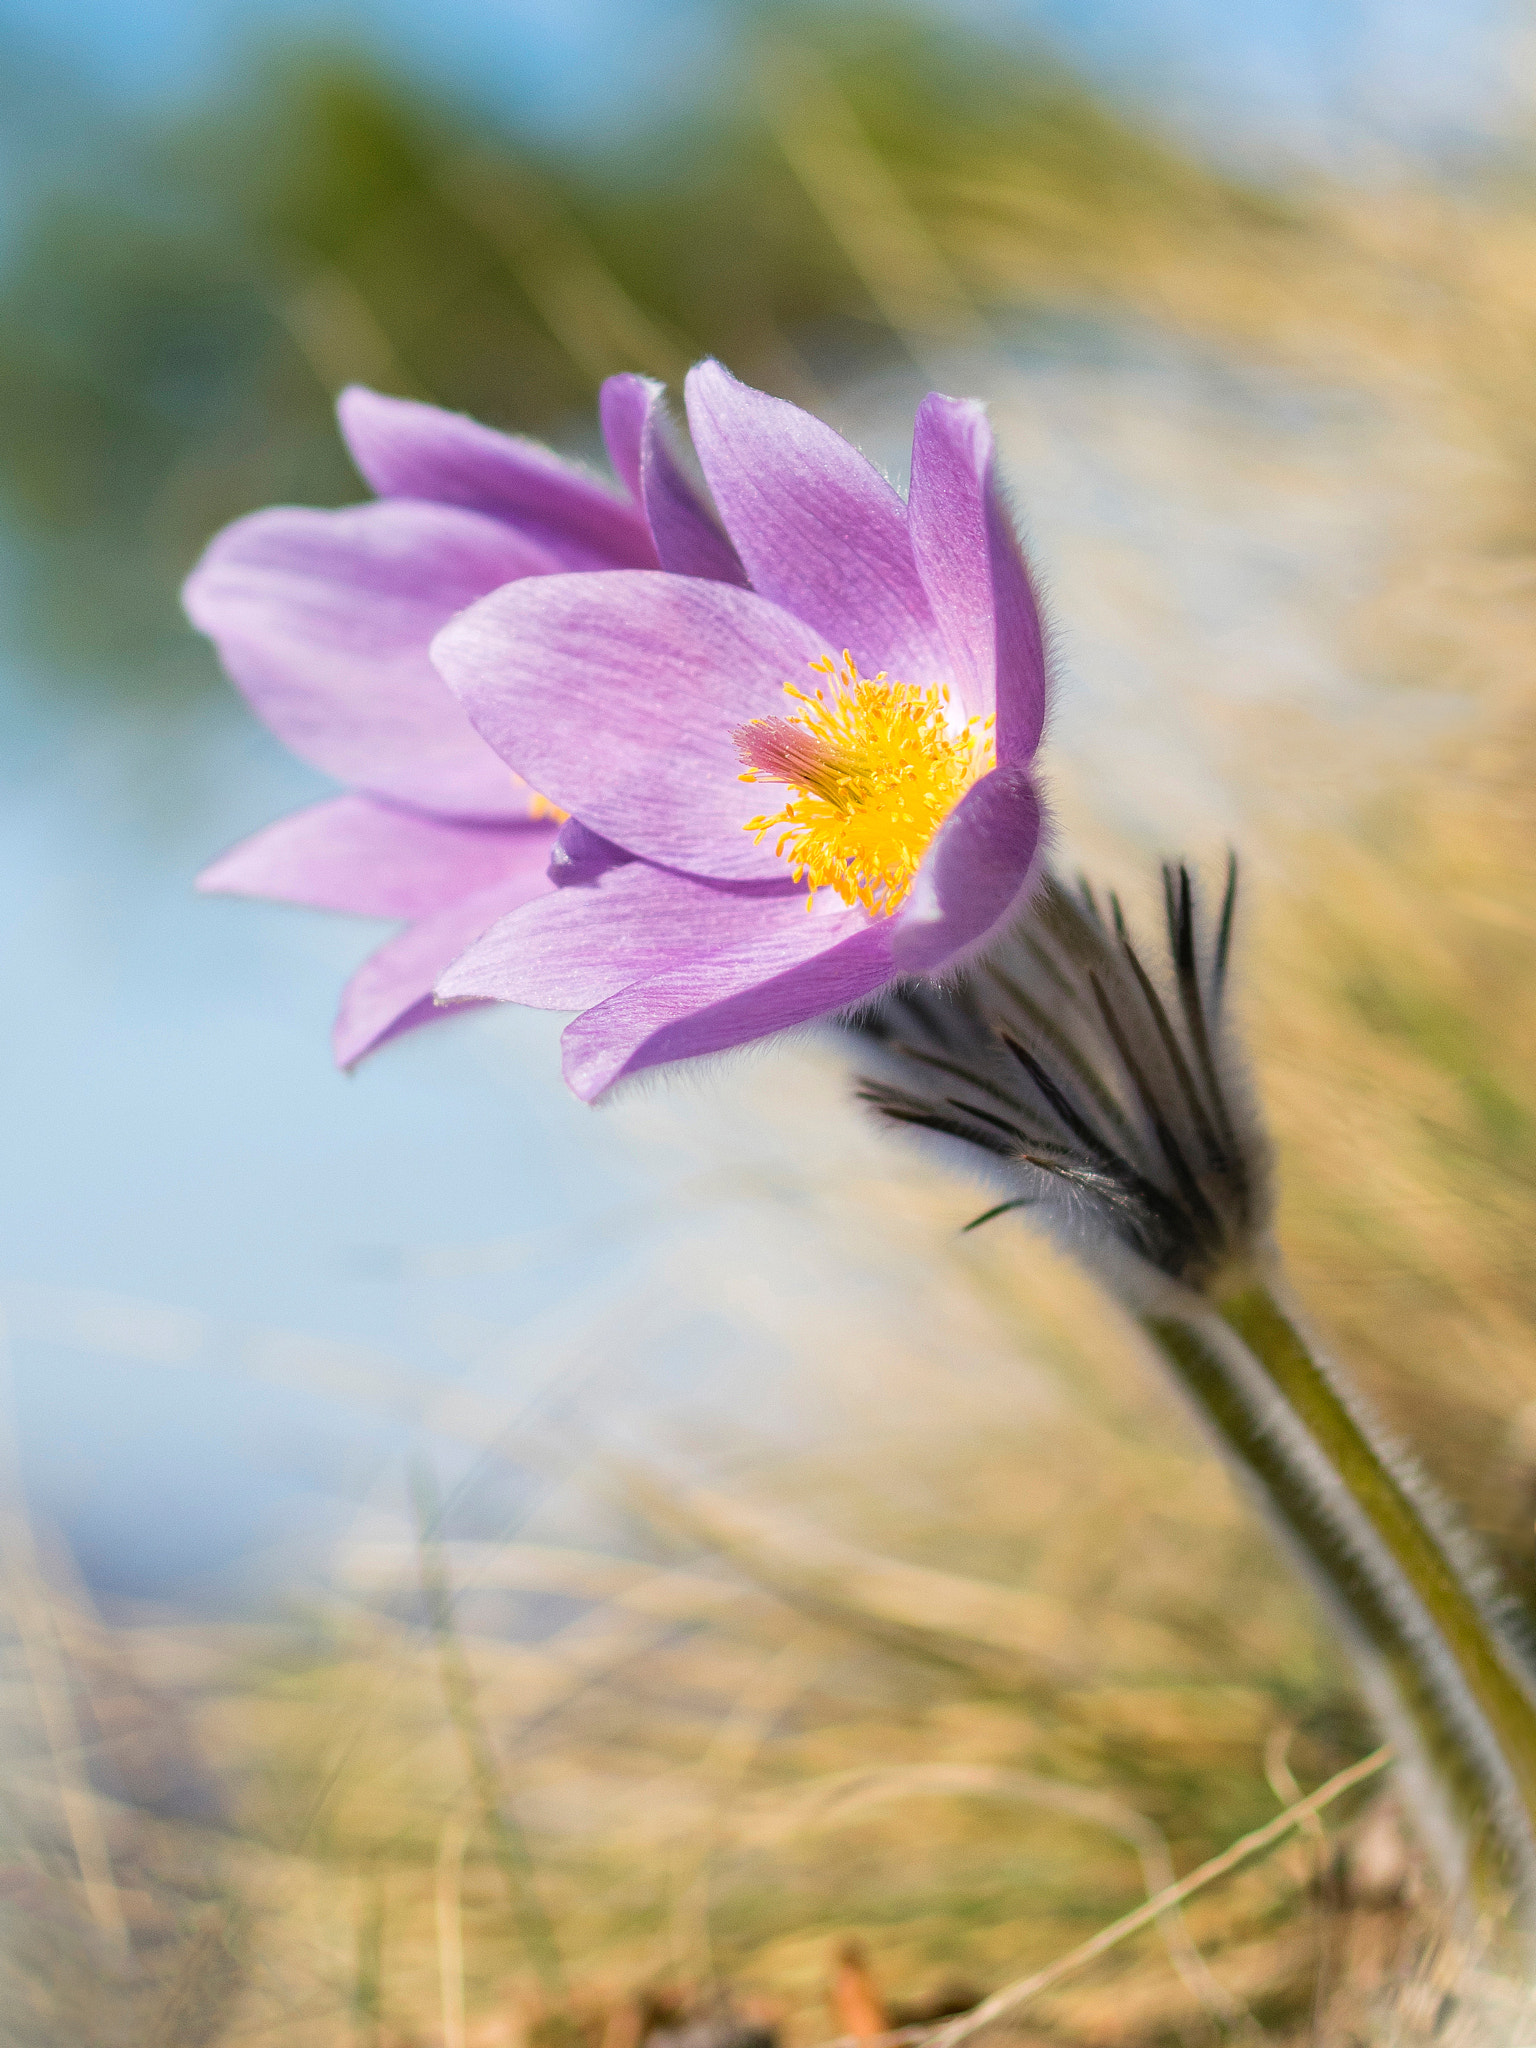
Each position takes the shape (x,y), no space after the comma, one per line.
(1441,1665)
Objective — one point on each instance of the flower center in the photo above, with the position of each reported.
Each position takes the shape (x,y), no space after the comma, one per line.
(875,767)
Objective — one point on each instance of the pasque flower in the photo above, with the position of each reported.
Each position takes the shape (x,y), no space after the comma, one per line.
(324,620)
(794,780)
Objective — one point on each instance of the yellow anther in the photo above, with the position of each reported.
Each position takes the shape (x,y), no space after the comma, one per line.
(875,766)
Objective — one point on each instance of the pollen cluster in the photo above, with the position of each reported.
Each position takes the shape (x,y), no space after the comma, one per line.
(875,768)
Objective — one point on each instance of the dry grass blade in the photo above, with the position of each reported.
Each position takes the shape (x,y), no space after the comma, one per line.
(449,1905)
(850,1792)
(1014,1995)
(617,1582)
(1023,1636)
(886,241)
(461,1696)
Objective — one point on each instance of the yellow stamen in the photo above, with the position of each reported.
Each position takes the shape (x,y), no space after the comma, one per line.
(541,807)
(876,767)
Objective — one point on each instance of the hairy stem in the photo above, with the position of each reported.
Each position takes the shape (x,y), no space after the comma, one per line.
(1442,1666)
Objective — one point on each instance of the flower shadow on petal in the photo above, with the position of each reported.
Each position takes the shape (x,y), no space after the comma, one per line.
(728,999)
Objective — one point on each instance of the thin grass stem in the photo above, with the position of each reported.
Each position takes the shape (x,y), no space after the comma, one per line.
(1023,1989)
(508,1842)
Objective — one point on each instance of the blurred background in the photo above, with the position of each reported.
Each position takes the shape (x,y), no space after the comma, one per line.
(483,1569)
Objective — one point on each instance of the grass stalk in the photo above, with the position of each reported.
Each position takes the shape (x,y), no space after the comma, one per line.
(449,1913)
(509,1845)
(1011,1997)
(368,1970)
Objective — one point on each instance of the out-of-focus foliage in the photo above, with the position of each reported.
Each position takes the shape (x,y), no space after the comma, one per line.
(174,329)
(914,1686)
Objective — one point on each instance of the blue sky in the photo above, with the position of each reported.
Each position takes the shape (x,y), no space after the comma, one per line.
(1283,74)
(193,1191)
(567,67)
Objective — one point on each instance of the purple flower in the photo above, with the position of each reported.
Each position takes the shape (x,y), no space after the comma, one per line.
(324,620)
(796,781)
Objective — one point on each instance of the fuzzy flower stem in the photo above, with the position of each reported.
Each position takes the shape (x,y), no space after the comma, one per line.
(1441,1665)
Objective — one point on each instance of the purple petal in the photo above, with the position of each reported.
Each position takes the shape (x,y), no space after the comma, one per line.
(579,856)
(376,861)
(820,530)
(392,991)
(617,696)
(975,573)
(974,875)
(575,946)
(623,405)
(324,619)
(689,539)
(408,450)
(730,998)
